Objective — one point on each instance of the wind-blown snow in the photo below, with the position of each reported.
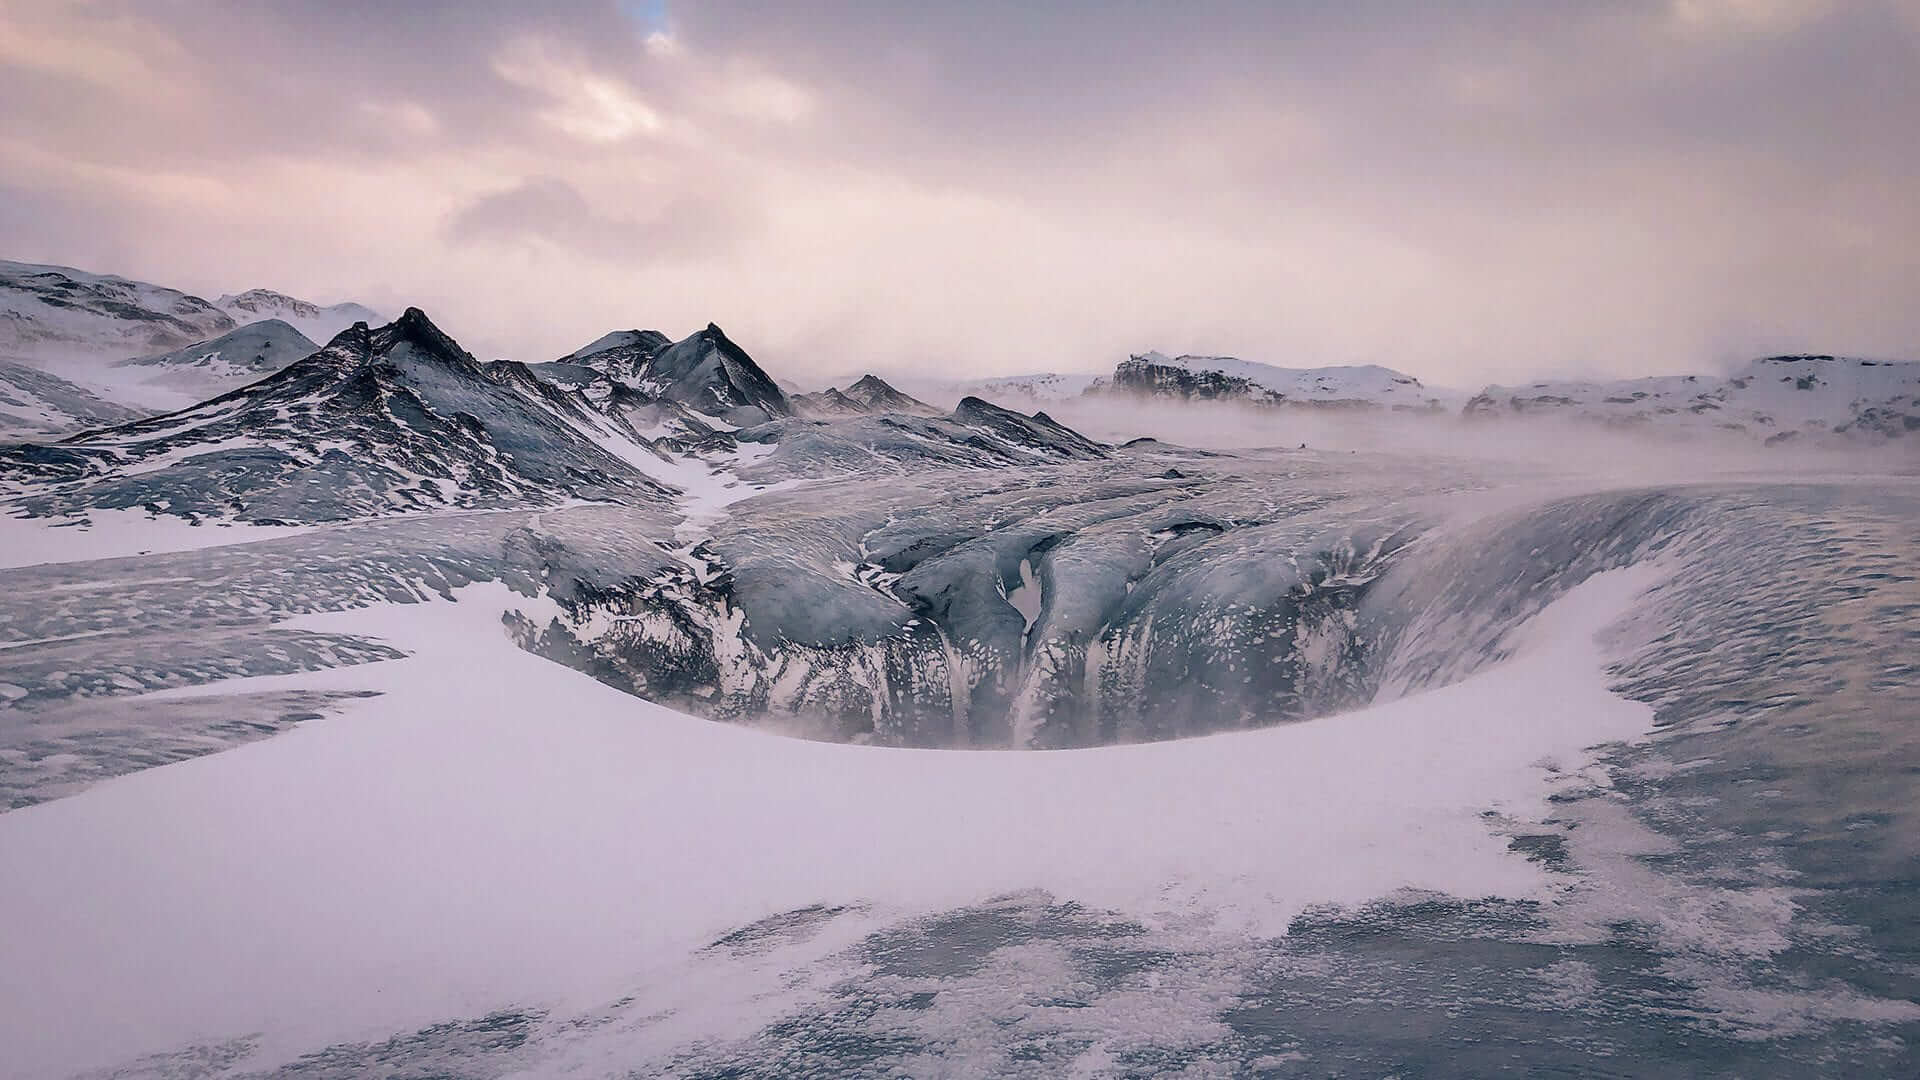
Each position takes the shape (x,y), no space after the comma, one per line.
(498,830)
(1776,398)
(316,322)
(1368,383)
(113,534)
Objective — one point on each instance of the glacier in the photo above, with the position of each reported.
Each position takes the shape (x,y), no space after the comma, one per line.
(625,714)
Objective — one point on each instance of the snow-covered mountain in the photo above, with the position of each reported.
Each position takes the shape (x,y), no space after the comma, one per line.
(828,404)
(209,368)
(1212,378)
(37,403)
(144,347)
(709,372)
(316,322)
(1019,391)
(874,394)
(394,418)
(612,360)
(619,353)
(1778,399)
(977,434)
(1226,378)
(401,418)
(705,371)
(58,312)
(868,395)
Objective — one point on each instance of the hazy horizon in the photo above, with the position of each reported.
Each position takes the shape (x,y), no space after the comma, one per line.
(1468,193)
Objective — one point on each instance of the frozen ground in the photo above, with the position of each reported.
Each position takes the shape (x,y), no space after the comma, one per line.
(430,852)
(1635,796)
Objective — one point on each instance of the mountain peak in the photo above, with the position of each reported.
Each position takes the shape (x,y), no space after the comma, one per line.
(712,373)
(314,320)
(414,328)
(636,342)
(876,395)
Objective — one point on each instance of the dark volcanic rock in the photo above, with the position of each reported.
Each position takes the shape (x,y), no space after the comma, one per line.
(1140,375)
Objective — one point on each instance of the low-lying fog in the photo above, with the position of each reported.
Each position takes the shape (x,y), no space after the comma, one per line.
(1555,443)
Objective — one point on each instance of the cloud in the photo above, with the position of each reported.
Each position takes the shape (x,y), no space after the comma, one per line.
(549,211)
(582,102)
(1470,191)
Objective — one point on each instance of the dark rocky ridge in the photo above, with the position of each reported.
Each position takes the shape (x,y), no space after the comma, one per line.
(706,372)
(1140,376)
(386,419)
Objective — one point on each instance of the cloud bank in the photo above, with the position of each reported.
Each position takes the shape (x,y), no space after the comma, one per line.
(1469,191)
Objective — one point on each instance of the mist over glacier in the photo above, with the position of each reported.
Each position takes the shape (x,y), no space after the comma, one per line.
(732,540)
(1512,683)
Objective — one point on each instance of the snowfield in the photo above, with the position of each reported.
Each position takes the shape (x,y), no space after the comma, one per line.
(435,854)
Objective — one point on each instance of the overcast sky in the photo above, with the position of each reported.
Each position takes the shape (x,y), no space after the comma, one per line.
(1466,191)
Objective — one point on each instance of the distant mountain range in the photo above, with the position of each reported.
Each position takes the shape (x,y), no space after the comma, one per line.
(1225,378)
(380,420)
(235,358)
(867,395)
(141,347)
(310,319)
(57,311)
(400,418)
(1775,400)
(82,349)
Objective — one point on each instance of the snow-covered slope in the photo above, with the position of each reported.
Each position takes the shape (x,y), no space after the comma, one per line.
(80,325)
(209,368)
(1226,378)
(490,830)
(382,420)
(1777,399)
(35,403)
(57,312)
(316,322)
